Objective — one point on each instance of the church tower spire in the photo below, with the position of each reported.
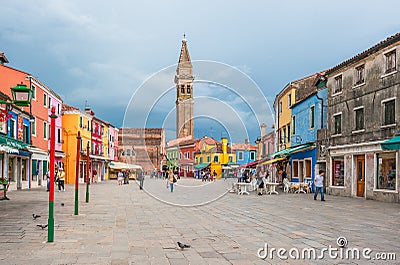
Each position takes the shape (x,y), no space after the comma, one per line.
(184,94)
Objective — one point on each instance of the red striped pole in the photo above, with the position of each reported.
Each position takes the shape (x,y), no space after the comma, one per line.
(50,221)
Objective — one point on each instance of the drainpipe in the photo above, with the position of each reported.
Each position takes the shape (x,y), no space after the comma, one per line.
(322,109)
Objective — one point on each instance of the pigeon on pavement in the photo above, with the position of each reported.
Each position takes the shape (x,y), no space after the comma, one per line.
(182,245)
(35,216)
(42,226)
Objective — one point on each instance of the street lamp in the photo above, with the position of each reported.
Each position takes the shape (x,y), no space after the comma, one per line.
(21,96)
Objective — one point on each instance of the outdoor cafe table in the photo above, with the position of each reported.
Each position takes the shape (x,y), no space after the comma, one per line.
(271,187)
(242,187)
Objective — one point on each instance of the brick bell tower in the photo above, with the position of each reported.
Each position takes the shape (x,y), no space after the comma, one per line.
(184,94)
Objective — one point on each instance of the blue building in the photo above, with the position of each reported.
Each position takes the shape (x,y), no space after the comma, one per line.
(308,116)
(245,153)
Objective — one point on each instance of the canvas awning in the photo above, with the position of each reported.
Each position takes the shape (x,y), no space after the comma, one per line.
(288,151)
(11,145)
(229,165)
(254,163)
(201,166)
(121,165)
(273,160)
(391,144)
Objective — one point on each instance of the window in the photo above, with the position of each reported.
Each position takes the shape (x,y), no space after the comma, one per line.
(187,155)
(188,89)
(359,115)
(295,171)
(216,159)
(338,171)
(45,100)
(338,84)
(45,130)
(308,168)
(240,155)
(280,107)
(293,125)
(80,122)
(12,128)
(289,100)
(180,156)
(312,117)
(201,160)
(288,133)
(196,160)
(33,90)
(208,159)
(337,124)
(88,125)
(58,108)
(386,171)
(59,135)
(389,112)
(390,62)
(253,156)
(230,159)
(182,89)
(25,133)
(264,149)
(81,145)
(360,70)
(33,125)
(49,106)
(284,135)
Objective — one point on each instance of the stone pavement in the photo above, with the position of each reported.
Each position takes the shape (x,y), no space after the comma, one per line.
(124,225)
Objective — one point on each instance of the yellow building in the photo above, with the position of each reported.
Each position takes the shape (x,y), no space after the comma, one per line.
(75,120)
(106,147)
(283,115)
(212,155)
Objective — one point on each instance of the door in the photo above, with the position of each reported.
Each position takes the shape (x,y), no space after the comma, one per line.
(301,170)
(360,174)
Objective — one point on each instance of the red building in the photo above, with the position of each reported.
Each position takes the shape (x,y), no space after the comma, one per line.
(186,159)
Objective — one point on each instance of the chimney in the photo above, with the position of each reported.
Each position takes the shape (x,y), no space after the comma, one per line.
(246,141)
(3,58)
(263,126)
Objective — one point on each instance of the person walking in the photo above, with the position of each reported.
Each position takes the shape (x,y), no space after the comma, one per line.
(61,179)
(171,180)
(214,175)
(141,179)
(319,185)
(120,178)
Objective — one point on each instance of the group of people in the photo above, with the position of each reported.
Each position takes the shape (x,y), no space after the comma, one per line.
(123,177)
(59,178)
(206,175)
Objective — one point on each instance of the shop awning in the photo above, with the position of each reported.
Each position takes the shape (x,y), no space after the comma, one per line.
(391,144)
(121,165)
(201,166)
(99,157)
(229,165)
(273,160)
(288,151)
(11,145)
(251,164)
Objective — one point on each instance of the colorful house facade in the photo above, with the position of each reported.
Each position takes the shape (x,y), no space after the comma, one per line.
(308,116)
(74,120)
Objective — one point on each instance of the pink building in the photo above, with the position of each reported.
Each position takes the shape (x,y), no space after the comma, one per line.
(116,132)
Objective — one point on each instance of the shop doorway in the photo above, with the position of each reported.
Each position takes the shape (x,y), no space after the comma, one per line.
(360,174)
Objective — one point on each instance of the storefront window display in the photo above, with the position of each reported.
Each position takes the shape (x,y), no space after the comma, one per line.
(386,171)
(338,171)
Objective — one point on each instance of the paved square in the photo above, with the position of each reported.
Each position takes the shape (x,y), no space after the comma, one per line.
(124,225)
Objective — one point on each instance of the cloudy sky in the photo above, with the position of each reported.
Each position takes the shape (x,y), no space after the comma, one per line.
(104,52)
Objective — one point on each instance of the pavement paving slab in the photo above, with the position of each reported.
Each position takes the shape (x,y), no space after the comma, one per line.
(125,225)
